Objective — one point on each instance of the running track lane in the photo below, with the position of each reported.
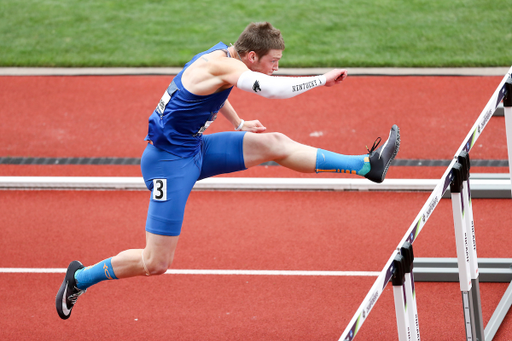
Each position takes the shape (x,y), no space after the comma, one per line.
(81,116)
(268,230)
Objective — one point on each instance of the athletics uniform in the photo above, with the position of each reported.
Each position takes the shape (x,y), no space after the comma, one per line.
(180,155)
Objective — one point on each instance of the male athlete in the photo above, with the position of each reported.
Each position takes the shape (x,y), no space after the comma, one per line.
(178,154)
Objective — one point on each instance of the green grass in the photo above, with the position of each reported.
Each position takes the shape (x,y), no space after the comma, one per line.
(357,33)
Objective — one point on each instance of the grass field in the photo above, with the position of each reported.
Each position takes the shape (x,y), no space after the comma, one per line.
(421,33)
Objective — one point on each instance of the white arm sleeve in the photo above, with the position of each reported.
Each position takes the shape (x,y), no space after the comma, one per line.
(277,87)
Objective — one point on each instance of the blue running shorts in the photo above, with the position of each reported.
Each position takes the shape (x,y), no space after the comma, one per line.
(170,178)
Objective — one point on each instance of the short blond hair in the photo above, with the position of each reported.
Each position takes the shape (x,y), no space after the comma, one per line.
(260,38)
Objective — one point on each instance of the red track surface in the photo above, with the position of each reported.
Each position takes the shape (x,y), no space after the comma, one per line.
(345,231)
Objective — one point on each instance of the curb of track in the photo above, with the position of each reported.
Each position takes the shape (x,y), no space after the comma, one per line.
(120,71)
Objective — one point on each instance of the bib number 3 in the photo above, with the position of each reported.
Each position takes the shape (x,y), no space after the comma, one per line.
(160,189)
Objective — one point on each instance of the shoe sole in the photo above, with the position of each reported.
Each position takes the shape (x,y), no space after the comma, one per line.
(395,151)
(60,300)
(396,147)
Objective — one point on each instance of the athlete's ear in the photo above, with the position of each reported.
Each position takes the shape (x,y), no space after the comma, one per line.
(252,56)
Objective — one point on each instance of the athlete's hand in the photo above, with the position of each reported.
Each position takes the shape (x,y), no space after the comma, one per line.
(254,126)
(335,76)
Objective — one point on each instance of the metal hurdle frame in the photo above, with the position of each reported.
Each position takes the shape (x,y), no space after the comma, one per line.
(410,291)
(402,315)
(506,301)
(457,178)
(405,295)
(465,257)
(466,246)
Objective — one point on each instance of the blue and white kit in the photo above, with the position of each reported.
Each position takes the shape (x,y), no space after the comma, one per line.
(179,154)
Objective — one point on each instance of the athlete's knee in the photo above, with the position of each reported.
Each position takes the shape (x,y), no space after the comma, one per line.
(276,144)
(156,265)
(158,268)
(278,138)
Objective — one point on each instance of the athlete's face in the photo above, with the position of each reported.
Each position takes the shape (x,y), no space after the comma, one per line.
(269,63)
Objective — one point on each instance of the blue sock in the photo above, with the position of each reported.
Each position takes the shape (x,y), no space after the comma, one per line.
(332,162)
(94,274)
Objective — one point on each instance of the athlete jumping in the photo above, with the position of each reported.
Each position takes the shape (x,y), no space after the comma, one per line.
(178,154)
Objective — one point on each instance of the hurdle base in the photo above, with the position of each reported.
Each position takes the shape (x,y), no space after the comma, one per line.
(491,270)
(496,270)
(499,314)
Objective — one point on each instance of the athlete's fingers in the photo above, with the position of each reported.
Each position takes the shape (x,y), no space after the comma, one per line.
(342,76)
(259,129)
(257,123)
(254,126)
(335,76)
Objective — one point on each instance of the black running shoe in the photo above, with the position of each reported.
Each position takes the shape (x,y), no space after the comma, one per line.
(68,292)
(381,158)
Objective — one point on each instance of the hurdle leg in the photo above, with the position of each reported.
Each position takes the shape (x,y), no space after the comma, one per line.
(461,241)
(507,104)
(499,314)
(398,279)
(410,293)
(475,301)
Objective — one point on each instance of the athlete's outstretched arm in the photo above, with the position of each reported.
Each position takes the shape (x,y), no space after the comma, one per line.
(236,73)
(286,87)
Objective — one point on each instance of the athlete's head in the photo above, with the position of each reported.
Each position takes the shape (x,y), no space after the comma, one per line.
(261,45)
(260,38)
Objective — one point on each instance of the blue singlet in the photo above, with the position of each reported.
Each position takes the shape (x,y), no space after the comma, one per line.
(179,120)
(180,155)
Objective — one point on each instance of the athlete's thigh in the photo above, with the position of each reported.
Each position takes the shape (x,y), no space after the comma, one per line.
(160,248)
(264,147)
(170,180)
(222,153)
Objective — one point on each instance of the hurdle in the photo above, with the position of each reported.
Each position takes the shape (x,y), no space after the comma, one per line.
(455,178)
